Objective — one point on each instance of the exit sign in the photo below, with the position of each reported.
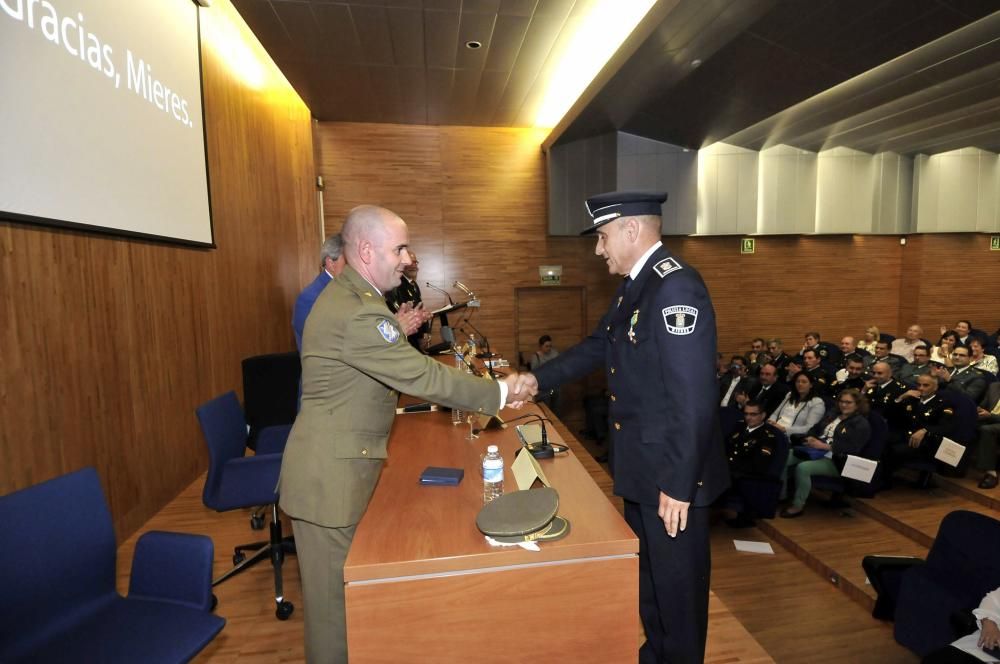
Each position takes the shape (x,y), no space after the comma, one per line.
(747,245)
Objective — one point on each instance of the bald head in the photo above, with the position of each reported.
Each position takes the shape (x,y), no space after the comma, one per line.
(375,244)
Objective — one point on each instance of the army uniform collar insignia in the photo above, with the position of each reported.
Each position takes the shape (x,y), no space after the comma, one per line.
(387,330)
(631,325)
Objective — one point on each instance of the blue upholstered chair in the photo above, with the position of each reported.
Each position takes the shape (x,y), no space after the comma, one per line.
(962,566)
(235,481)
(59,582)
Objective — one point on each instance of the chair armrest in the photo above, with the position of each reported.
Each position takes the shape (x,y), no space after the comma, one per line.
(173,567)
(885,574)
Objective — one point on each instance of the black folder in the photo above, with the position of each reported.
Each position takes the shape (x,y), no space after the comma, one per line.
(441,476)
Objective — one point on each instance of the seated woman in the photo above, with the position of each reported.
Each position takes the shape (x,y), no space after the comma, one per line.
(941,353)
(845,432)
(871,338)
(980,360)
(800,409)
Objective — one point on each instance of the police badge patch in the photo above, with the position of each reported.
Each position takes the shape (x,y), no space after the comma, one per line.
(680,319)
(387,330)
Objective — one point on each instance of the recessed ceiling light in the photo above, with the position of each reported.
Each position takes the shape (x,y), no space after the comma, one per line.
(696,63)
(473,44)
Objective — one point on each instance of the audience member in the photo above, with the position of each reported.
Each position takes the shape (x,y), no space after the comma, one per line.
(872,335)
(800,409)
(926,420)
(331,264)
(941,353)
(757,355)
(736,378)
(849,346)
(405,299)
(545,353)
(980,360)
(779,358)
(853,375)
(826,447)
(812,365)
(963,329)
(882,354)
(827,352)
(883,393)
(971,648)
(772,391)
(750,450)
(962,377)
(920,365)
(904,346)
(988,440)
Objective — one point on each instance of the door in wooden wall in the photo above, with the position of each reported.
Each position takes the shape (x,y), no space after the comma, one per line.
(560,312)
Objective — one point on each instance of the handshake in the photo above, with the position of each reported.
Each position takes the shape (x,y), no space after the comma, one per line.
(520,388)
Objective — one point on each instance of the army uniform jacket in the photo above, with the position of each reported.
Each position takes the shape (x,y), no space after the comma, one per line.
(909,373)
(750,452)
(355,362)
(935,416)
(657,342)
(969,381)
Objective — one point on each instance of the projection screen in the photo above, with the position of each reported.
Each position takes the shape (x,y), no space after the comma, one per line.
(101,123)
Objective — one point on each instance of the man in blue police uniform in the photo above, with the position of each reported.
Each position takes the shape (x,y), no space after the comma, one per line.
(658,343)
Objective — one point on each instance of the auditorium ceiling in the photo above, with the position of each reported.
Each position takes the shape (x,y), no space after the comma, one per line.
(874,75)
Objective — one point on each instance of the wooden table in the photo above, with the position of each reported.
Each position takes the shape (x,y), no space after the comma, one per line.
(422,584)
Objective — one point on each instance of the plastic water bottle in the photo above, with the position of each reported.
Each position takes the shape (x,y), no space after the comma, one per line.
(492,474)
(472,346)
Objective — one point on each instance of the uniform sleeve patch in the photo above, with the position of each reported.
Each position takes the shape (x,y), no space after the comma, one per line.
(666,266)
(680,319)
(387,330)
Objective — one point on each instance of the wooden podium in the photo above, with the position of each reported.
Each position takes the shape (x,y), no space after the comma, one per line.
(422,584)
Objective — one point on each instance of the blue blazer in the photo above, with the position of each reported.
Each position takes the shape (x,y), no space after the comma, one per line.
(304,304)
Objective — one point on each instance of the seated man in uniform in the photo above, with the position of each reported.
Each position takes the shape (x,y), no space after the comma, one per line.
(926,418)
(772,391)
(779,358)
(749,452)
(854,368)
(882,354)
(962,377)
(883,392)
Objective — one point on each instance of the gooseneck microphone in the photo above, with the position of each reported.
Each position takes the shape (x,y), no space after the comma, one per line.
(440,290)
(465,289)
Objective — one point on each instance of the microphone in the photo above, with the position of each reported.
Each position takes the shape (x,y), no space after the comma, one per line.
(486,342)
(440,290)
(465,289)
(542,449)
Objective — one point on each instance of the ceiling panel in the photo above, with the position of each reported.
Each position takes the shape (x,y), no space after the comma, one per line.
(912,74)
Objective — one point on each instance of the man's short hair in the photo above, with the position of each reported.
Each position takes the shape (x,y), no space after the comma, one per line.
(740,358)
(755,404)
(755,340)
(544,338)
(815,335)
(776,341)
(333,249)
(852,358)
(810,350)
(883,343)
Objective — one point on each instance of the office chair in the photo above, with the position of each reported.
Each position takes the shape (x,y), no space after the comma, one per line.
(235,481)
(271,398)
(58,573)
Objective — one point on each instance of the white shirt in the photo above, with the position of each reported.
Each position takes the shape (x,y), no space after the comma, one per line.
(988,608)
(637,268)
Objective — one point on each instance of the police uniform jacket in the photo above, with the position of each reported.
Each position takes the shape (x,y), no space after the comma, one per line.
(658,344)
(407,291)
(822,379)
(780,362)
(935,416)
(839,386)
(304,304)
(355,362)
(750,452)
(883,401)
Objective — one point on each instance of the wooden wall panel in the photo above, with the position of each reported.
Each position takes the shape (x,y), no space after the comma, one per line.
(475,202)
(109,344)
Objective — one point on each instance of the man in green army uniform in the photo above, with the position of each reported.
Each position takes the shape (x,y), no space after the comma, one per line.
(355,363)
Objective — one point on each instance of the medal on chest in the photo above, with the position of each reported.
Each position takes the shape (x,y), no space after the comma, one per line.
(631,325)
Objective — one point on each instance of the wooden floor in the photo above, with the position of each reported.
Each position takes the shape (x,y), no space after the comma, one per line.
(809,602)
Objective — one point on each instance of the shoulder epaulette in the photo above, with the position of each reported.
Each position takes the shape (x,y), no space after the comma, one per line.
(666,266)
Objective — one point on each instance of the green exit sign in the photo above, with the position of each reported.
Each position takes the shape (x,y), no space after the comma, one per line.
(747,245)
(995,243)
